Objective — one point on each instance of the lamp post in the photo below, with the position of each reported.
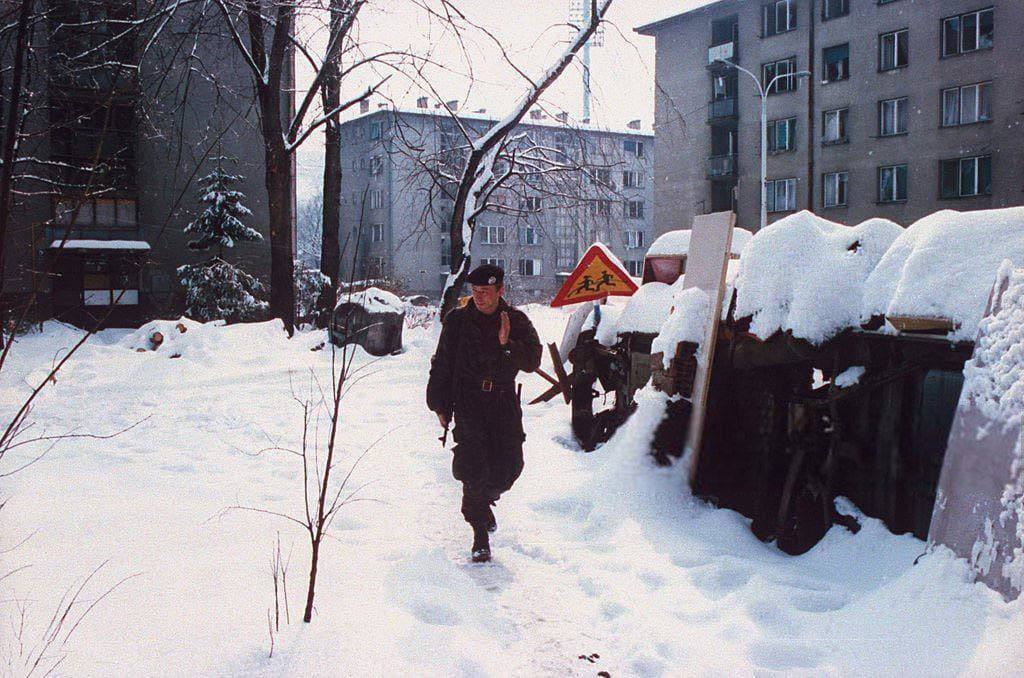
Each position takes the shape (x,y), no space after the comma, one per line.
(763,91)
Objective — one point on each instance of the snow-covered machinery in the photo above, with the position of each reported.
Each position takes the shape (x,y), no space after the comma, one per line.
(372,318)
(836,371)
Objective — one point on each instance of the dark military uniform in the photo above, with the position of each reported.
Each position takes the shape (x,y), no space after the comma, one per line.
(473,376)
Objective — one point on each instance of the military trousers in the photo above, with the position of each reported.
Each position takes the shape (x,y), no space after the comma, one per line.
(488,453)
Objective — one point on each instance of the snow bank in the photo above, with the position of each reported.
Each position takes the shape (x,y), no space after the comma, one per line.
(686,322)
(806,274)
(647,309)
(203,342)
(677,243)
(943,266)
(376,300)
(994,376)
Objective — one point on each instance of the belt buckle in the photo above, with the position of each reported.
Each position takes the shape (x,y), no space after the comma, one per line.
(487,385)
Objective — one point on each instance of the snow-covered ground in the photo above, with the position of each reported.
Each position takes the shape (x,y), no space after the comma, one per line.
(602,561)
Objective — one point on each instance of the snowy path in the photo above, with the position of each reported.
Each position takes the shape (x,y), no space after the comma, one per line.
(599,554)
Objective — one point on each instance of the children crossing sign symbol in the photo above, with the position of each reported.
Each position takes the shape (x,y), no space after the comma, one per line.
(599,274)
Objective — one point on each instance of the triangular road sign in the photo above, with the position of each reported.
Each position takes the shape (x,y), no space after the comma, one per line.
(598,275)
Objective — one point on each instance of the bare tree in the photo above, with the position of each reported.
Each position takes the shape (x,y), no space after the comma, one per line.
(263,32)
(487,166)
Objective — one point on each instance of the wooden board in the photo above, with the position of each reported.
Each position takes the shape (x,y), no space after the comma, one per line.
(907,323)
(706,266)
(981,463)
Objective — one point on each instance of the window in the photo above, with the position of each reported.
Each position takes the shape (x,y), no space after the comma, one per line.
(892,183)
(375,129)
(602,177)
(446,252)
(968,32)
(602,208)
(834,189)
(104,285)
(781,135)
(494,235)
(632,179)
(99,213)
(892,117)
(964,177)
(528,235)
(376,165)
(634,239)
(635,267)
(835,124)
(378,267)
(781,195)
(376,199)
(634,209)
(967,104)
(633,147)
(778,17)
(531,204)
(529,267)
(785,67)
(832,9)
(500,263)
(377,232)
(893,50)
(836,63)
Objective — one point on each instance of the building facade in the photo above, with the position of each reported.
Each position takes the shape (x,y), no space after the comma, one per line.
(395,217)
(116,139)
(911,106)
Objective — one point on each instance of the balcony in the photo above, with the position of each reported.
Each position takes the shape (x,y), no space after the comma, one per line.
(720,110)
(725,50)
(721,166)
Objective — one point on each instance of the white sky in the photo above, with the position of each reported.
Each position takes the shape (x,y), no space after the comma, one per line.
(622,70)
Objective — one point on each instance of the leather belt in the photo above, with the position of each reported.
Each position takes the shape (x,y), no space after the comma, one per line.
(488,386)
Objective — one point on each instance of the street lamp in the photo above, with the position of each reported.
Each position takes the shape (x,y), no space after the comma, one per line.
(763,91)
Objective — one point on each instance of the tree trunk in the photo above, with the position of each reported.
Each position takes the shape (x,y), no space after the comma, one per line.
(330,248)
(10,144)
(308,616)
(280,204)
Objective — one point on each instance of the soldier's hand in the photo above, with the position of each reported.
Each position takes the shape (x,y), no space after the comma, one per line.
(504,329)
(443,419)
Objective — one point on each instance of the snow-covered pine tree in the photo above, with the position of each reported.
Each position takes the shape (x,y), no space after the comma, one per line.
(217,289)
(220,223)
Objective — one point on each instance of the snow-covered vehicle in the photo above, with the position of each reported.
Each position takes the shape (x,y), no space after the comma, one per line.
(836,372)
(372,318)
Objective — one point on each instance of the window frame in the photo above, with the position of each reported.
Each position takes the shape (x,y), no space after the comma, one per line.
(844,126)
(771,192)
(959,91)
(635,239)
(536,266)
(882,51)
(843,72)
(489,232)
(959,19)
(528,235)
(826,16)
(901,106)
(841,189)
(773,135)
(771,9)
(977,176)
(633,208)
(632,179)
(792,82)
(884,200)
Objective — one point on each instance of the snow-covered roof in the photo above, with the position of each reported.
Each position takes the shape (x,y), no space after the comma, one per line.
(677,243)
(140,245)
(548,122)
(806,274)
(943,266)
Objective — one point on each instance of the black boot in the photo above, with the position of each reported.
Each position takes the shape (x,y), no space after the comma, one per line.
(481,545)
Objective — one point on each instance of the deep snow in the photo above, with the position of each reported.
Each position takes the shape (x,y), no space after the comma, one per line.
(598,553)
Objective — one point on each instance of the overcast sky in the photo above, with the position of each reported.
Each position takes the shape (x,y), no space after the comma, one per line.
(533,32)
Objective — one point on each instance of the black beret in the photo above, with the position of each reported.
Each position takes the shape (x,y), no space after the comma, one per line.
(486,274)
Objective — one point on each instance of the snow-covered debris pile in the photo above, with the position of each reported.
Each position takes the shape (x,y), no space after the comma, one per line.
(994,376)
(202,342)
(677,243)
(645,311)
(943,265)
(163,335)
(687,322)
(375,300)
(806,274)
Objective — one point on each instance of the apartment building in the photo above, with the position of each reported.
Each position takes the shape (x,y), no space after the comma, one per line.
(910,106)
(114,143)
(395,218)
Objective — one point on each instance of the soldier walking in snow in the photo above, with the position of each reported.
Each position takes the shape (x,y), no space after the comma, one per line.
(483,345)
